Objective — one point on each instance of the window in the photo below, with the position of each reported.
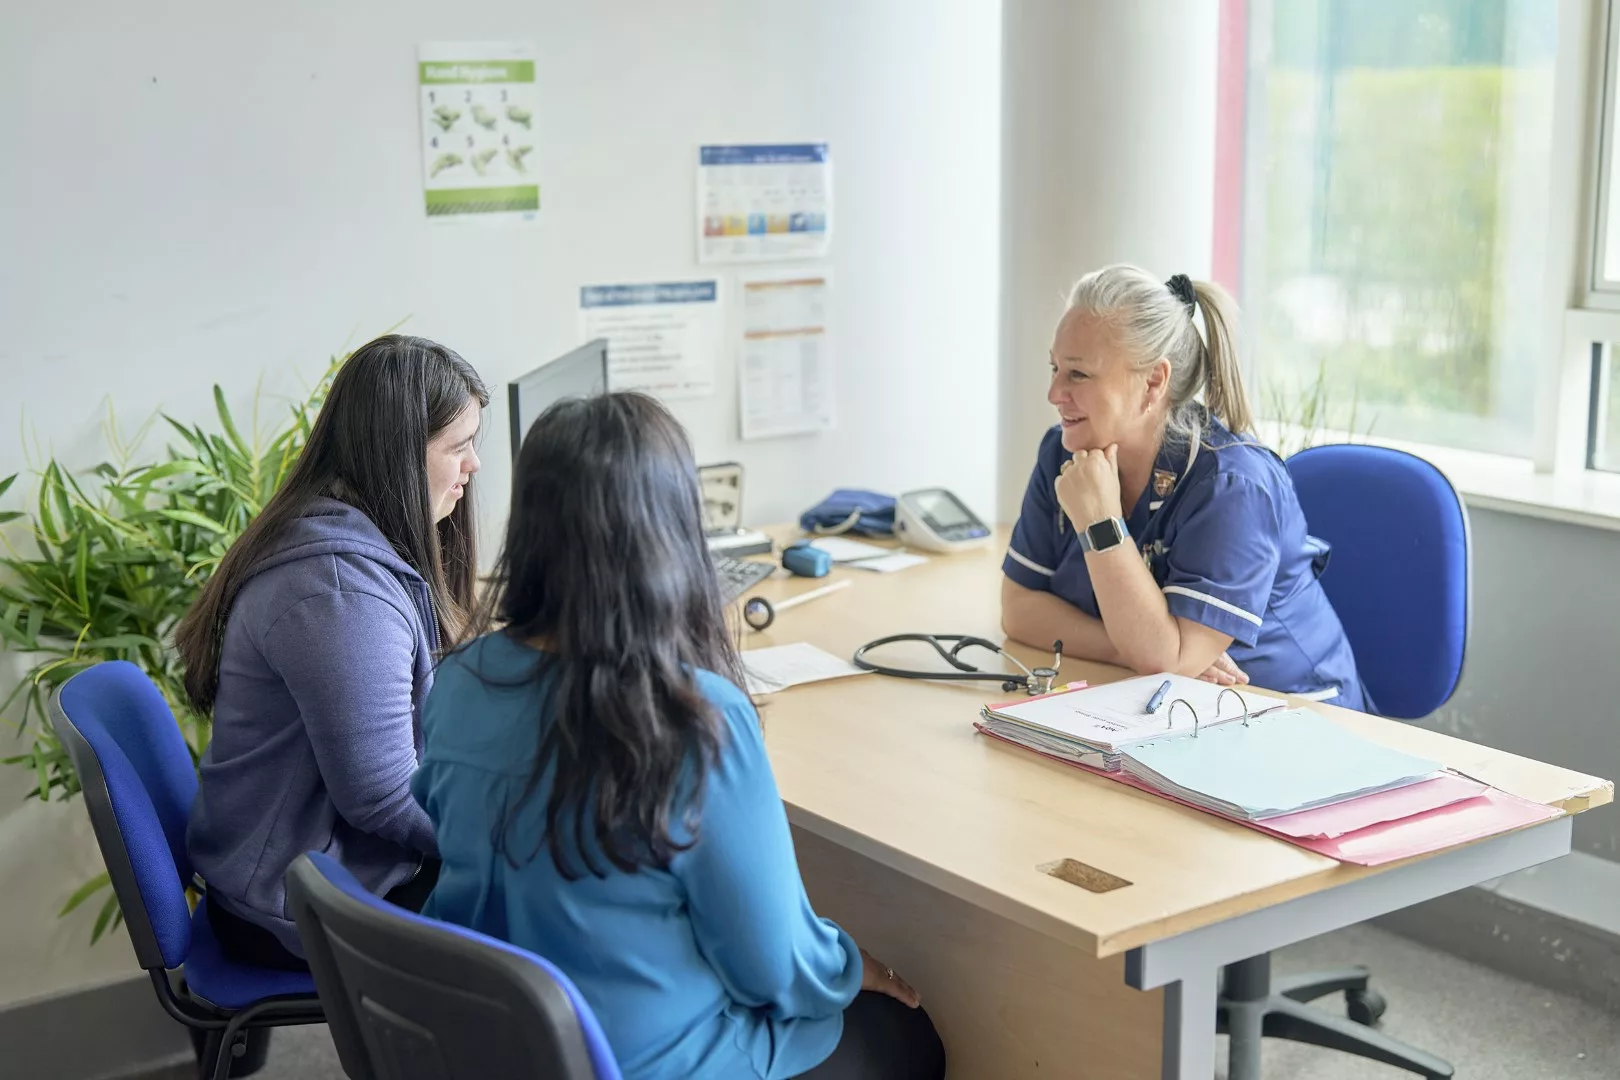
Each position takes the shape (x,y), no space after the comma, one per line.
(1394,209)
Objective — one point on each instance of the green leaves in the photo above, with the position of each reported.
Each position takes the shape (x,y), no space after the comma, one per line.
(111,559)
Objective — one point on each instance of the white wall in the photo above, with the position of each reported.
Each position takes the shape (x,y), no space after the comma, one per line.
(1109,156)
(192,196)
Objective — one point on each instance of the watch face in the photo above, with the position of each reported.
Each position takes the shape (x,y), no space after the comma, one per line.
(1103,535)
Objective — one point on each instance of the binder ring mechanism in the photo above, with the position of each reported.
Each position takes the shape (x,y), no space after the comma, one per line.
(1249,713)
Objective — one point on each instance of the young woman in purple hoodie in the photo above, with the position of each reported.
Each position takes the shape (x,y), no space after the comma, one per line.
(314,642)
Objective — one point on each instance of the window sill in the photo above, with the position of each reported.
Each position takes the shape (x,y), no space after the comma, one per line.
(1508,485)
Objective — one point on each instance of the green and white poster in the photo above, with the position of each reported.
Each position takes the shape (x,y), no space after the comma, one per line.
(478,131)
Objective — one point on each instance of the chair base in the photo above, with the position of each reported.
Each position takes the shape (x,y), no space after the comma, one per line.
(256,1051)
(1250,1009)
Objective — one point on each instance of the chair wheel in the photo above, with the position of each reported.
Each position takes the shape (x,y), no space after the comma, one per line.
(1364,1007)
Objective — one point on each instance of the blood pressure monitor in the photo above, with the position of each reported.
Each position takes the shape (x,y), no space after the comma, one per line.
(935,520)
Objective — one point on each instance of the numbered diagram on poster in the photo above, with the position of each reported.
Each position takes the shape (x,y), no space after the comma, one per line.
(478,132)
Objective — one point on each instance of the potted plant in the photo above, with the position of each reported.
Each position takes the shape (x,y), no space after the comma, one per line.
(110,560)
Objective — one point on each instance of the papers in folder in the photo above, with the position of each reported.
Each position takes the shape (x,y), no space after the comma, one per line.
(1244,761)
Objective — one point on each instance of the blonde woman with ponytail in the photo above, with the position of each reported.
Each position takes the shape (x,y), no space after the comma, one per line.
(1156,531)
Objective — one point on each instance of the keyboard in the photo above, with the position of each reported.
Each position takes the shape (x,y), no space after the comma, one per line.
(737,576)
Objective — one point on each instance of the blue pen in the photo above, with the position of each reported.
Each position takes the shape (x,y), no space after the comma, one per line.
(1158,697)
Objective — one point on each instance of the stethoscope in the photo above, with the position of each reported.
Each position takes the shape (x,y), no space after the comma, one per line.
(1034,680)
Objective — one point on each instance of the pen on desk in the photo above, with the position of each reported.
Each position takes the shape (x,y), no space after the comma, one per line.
(1158,697)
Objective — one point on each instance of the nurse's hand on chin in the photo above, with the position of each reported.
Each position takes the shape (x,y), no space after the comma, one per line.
(1087,486)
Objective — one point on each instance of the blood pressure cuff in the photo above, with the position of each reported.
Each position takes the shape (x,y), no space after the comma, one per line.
(850,510)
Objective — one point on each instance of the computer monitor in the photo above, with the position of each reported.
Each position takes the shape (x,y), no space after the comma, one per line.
(579,373)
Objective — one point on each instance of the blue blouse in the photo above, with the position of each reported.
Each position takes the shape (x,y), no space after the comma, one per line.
(714,967)
(1221,530)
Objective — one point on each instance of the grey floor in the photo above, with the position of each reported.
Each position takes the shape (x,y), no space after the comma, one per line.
(1491,1027)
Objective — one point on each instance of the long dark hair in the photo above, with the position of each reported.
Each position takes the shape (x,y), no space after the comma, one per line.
(605,564)
(369,449)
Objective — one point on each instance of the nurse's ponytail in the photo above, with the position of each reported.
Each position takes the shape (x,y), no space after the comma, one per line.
(1223,373)
(1155,320)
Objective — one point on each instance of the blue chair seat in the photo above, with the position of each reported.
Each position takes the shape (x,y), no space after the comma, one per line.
(224,983)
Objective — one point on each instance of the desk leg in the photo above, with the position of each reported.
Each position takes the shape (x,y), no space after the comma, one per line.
(1189,1028)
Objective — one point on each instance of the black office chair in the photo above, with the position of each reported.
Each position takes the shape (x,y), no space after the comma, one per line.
(411,998)
(1399,579)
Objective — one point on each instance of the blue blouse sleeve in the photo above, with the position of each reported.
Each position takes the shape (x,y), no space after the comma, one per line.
(751,917)
(1223,563)
(1036,546)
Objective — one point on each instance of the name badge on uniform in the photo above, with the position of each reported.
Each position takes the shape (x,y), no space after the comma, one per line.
(1164,482)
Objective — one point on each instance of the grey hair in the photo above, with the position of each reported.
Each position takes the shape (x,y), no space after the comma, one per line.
(1152,322)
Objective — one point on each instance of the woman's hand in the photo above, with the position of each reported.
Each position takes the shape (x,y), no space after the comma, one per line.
(1223,672)
(875,976)
(1087,487)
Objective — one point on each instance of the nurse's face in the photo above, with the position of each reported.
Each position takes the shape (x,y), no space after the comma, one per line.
(1100,398)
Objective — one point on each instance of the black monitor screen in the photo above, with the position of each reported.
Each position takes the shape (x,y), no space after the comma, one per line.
(580,373)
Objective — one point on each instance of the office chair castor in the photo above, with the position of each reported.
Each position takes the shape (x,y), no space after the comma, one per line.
(1364,1007)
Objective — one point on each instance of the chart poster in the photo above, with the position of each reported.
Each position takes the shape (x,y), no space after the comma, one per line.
(785,363)
(766,201)
(662,337)
(478,132)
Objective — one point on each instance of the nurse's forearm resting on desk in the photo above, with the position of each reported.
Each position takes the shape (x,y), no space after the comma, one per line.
(1148,638)
(1137,620)
(1039,618)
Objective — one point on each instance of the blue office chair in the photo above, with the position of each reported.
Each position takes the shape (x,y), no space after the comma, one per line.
(138,782)
(413,998)
(1399,578)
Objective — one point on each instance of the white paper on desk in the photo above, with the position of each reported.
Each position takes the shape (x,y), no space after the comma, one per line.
(781,666)
(843,549)
(888,564)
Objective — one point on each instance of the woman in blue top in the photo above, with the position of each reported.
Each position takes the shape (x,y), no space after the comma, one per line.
(600,791)
(1155,532)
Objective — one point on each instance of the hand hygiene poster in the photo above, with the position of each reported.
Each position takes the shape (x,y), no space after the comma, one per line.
(478,138)
(661,337)
(760,202)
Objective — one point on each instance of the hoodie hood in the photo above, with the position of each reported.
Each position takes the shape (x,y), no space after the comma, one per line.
(332,527)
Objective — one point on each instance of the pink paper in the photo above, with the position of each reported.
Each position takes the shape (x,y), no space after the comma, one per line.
(1327,822)
(1494,812)
(1440,826)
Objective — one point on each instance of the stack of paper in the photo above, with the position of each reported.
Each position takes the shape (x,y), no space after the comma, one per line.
(774,669)
(1091,726)
(1291,773)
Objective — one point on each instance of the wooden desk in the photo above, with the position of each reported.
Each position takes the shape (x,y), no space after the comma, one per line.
(925,840)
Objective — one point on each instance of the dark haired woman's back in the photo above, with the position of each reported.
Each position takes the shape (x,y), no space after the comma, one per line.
(714,967)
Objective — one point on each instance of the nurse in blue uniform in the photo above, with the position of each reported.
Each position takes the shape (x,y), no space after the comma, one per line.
(1156,532)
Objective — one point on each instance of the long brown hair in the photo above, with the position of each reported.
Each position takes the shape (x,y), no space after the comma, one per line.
(368,448)
(605,561)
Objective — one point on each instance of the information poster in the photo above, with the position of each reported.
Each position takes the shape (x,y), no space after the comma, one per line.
(478,139)
(661,337)
(785,373)
(758,202)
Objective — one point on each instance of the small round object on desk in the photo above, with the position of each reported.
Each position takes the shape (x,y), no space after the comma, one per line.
(758,613)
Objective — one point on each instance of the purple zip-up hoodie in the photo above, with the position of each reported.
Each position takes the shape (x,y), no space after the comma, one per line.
(329,651)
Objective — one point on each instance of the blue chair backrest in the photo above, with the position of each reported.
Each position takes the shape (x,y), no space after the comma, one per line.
(412,998)
(135,713)
(107,719)
(1399,574)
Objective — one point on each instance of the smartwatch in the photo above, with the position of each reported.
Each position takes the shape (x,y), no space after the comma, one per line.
(1103,535)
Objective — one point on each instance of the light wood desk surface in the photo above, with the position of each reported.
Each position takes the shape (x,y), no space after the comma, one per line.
(893,769)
